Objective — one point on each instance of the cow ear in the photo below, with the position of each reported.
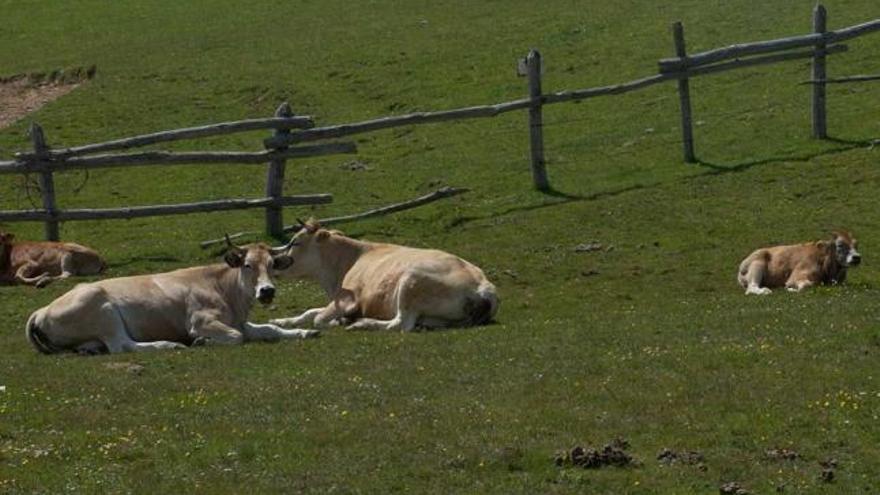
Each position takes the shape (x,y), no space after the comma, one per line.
(234,258)
(323,235)
(282,262)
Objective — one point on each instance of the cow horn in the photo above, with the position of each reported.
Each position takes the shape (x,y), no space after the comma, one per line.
(282,249)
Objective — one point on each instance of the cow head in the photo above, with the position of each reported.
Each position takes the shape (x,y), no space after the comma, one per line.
(256,264)
(305,248)
(845,248)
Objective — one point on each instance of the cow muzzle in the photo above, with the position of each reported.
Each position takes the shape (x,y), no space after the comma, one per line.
(266,294)
(854,259)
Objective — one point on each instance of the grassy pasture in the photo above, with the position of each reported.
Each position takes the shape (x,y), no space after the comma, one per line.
(650,340)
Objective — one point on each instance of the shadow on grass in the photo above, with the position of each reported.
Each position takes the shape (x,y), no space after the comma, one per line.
(844,145)
(713,169)
(565,199)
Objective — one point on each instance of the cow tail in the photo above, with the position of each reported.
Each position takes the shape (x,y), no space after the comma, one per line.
(37,337)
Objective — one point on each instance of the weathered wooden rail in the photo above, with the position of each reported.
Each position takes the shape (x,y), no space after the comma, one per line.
(46,161)
(290,131)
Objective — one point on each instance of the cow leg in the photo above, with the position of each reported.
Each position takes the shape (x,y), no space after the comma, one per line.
(798,285)
(207,328)
(404,321)
(307,318)
(316,317)
(271,333)
(118,340)
(751,280)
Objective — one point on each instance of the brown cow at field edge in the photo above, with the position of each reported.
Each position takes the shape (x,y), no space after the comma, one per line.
(799,266)
(39,263)
(386,286)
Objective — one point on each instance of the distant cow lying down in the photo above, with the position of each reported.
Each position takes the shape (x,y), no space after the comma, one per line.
(165,311)
(385,286)
(39,263)
(799,266)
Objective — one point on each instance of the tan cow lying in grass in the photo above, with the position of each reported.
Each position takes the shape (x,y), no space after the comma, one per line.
(799,266)
(39,263)
(166,310)
(385,286)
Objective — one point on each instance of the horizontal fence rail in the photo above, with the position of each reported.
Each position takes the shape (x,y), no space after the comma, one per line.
(178,135)
(676,64)
(161,210)
(174,158)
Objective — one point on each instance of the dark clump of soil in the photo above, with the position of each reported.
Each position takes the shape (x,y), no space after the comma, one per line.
(732,488)
(828,467)
(690,457)
(782,454)
(612,454)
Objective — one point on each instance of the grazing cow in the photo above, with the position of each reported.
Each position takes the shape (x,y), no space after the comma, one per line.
(385,286)
(166,310)
(39,263)
(799,266)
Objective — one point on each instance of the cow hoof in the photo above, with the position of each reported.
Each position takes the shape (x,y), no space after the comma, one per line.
(42,283)
(198,342)
(281,322)
(311,334)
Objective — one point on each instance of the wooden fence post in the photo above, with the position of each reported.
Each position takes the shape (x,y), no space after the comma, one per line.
(820,129)
(536,121)
(684,95)
(275,180)
(47,182)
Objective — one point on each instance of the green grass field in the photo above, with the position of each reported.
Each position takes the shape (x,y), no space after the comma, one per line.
(650,340)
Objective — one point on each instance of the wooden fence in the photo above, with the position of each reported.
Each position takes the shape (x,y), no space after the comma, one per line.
(290,131)
(45,161)
(680,68)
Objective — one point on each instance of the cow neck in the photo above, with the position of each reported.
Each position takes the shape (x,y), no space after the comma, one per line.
(831,268)
(338,260)
(236,295)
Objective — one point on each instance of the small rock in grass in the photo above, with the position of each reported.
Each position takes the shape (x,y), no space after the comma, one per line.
(588,247)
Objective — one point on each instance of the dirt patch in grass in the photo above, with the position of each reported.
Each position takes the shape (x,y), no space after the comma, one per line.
(22,94)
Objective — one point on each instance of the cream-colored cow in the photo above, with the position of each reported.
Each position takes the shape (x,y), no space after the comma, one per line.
(207,304)
(385,286)
(799,266)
